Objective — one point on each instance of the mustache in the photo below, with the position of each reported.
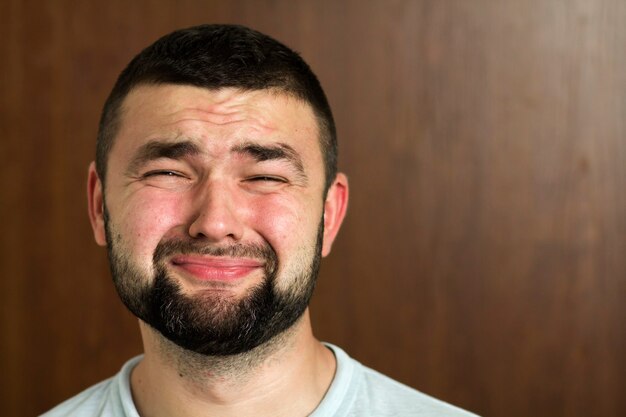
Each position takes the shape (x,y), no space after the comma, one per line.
(170,247)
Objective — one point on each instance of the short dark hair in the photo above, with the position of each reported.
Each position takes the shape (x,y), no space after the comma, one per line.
(214,57)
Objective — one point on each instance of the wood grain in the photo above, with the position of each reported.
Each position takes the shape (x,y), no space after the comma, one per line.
(482,260)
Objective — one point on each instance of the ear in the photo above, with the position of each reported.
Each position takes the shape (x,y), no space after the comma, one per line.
(334,210)
(95,200)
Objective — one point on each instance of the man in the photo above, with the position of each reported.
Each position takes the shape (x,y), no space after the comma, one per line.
(216,193)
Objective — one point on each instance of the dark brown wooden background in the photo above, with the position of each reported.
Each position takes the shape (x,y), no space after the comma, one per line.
(483,259)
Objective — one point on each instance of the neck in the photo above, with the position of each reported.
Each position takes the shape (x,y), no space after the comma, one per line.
(173,381)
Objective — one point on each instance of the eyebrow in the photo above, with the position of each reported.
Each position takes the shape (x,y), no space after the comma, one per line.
(279,151)
(157,149)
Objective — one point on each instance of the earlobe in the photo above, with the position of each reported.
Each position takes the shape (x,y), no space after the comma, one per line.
(335,208)
(95,200)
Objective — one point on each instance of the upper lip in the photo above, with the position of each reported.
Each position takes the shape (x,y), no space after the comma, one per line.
(216,261)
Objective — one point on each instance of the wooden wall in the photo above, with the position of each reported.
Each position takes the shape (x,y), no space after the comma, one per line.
(483,259)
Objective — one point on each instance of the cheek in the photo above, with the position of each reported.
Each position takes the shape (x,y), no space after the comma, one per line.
(287,224)
(146,219)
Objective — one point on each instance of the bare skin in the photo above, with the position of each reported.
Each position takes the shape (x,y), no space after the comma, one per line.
(218,191)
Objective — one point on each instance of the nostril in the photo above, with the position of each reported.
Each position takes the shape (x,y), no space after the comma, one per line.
(216,214)
(216,226)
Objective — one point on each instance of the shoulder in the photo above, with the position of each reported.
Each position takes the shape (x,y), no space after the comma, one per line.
(392,398)
(111,397)
(86,403)
(361,391)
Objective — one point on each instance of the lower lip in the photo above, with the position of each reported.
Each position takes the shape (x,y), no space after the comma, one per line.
(216,273)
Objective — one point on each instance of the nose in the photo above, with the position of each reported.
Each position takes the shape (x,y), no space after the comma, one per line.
(216,216)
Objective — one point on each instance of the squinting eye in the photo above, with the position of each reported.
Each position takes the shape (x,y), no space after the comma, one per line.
(162,173)
(267,178)
(167,179)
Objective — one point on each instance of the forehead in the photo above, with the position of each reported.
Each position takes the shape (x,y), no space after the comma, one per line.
(217,122)
(228,114)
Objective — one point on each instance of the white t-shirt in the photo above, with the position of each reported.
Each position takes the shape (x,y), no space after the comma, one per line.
(356,391)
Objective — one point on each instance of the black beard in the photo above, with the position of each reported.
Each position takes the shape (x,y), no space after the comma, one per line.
(211,323)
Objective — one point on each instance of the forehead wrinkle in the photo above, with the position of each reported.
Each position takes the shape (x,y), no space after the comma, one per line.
(207,115)
(239,108)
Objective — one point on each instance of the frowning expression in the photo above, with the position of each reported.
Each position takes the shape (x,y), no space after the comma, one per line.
(222,166)
(221,169)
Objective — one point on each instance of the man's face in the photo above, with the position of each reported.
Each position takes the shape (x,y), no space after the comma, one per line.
(214,213)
